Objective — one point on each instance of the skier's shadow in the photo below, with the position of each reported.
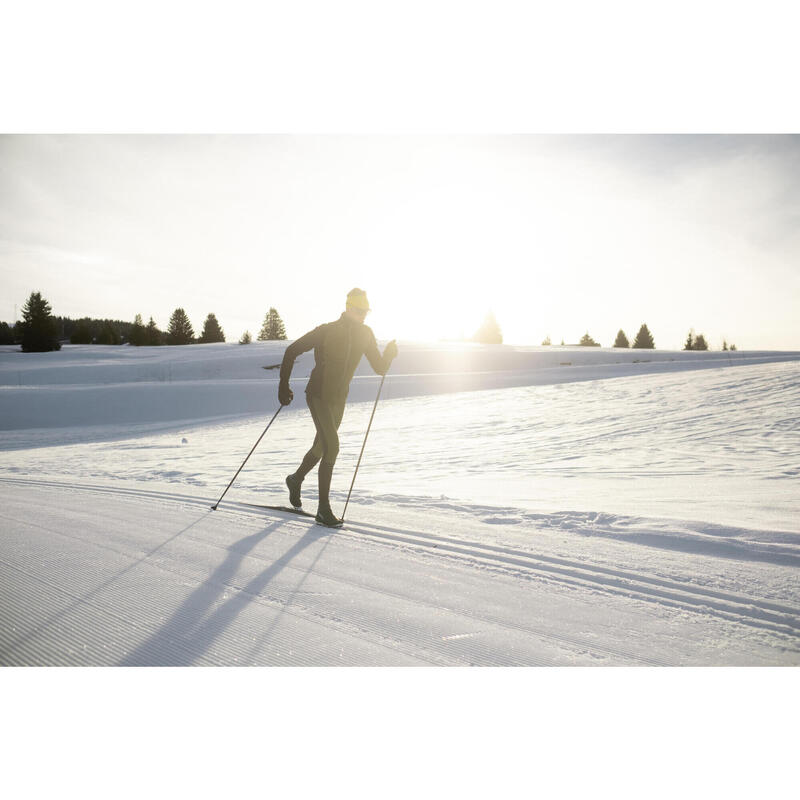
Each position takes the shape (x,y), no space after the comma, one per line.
(200,619)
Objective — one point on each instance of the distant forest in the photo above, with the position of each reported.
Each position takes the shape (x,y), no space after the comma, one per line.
(101,331)
(40,330)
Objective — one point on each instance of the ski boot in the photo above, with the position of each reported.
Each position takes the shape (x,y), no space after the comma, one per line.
(326,517)
(324,514)
(294,490)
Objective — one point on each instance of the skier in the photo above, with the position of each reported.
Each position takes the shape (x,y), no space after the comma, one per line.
(338,347)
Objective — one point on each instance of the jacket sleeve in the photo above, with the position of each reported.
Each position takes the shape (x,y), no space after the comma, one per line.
(376,360)
(297,348)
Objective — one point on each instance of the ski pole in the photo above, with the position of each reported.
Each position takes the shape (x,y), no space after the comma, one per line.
(363,445)
(214,507)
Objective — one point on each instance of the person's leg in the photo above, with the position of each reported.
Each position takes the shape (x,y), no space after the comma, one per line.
(324,512)
(327,418)
(310,460)
(338,413)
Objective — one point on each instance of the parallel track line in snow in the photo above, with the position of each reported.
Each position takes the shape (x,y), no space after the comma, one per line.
(156,650)
(443,652)
(424,537)
(757,613)
(157,609)
(604,577)
(746,611)
(358,624)
(99,636)
(20,648)
(389,532)
(359,620)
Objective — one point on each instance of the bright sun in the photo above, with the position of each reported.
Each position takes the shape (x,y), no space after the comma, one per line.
(441,314)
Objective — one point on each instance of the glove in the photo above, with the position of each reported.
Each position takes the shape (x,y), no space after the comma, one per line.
(285,394)
(390,352)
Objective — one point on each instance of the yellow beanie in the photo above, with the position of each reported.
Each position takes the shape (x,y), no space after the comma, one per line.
(357,298)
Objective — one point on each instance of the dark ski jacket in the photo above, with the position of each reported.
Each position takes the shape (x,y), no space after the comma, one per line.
(338,347)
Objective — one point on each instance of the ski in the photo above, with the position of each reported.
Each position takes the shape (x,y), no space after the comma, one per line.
(287,509)
(290,510)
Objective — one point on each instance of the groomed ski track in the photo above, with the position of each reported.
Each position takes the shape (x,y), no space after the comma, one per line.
(126,574)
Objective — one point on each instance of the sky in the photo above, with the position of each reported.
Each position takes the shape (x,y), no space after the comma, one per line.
(555,235)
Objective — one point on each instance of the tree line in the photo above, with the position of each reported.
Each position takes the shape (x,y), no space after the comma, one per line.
(699,342)
(40,331)
(180,330)
(644,341)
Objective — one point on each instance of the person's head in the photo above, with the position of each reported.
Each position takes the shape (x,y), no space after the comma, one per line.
(357,305)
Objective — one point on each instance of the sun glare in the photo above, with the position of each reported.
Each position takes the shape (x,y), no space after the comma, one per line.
(438,313)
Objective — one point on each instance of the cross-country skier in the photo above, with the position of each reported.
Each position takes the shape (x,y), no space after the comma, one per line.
(338,347)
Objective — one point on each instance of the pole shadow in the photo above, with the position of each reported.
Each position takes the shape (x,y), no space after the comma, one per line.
(200,620)
(265,637)
(54,618)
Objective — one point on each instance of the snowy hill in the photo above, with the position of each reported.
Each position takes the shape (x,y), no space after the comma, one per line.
(97,385)
(515,506)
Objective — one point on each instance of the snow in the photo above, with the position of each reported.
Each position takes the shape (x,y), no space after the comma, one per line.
(515,506)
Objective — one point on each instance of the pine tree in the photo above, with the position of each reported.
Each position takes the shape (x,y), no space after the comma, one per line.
(108,334)
(546,342)
(273,327)
(733,347)
(153,336)
(644,339)
(180,329)
(246,338)
(621,340)
(39,334)
(138,335)
(82,333)
(212,331)
(489,332)
(587,341)
(6,333)
(700,342)
(689,344)
(724,345)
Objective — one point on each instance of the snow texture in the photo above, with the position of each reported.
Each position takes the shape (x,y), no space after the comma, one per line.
(515,507)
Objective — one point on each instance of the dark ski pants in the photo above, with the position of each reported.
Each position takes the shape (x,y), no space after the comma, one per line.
(327,416)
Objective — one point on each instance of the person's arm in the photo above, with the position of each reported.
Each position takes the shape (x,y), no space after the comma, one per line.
(295,349)
(380,363)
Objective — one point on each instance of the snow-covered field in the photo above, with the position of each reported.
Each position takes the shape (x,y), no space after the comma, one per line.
(515,506)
